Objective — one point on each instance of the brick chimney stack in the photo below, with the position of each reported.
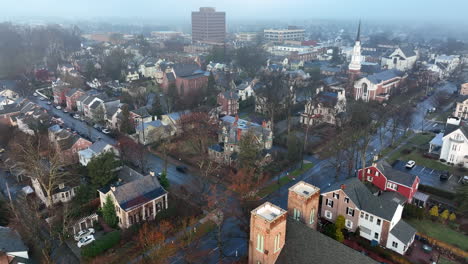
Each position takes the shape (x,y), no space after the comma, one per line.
(239,134)
(303,203)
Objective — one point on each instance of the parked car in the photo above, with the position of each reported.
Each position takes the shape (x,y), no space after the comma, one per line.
(410,164)
(35,94)
(182,169)
(65,110)
(2,150)
(85,241)
(465,179)
(83,233)
(76,116)
(49,102)
(106,131)
(58,107)
(444,176)
(42,98)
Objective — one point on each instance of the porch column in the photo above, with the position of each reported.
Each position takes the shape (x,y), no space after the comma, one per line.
(143,211)
(166,202)
(154,208)
(128,220)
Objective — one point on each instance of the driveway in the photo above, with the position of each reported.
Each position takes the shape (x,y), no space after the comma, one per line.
(429,176)
(72,244)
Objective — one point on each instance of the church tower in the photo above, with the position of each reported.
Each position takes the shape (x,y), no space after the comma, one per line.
(267,233)
(354,68)
(303,203)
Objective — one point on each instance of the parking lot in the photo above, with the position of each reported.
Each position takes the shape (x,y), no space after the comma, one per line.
(429,176)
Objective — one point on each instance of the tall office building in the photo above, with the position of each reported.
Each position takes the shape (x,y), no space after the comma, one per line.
(208,26)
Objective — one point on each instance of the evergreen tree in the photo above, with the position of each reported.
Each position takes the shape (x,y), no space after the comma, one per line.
(102,169)
(249,151)
(156,108)
(211,86)
(164,181)
(126,124)
(108,213)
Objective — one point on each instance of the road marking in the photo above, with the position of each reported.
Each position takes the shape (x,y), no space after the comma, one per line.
(422,169)
(434,125)
(432,171)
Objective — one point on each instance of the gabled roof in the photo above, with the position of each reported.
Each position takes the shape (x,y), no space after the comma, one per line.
(364,199)
(395,175)
(230,95)
(408,51)
(185,70)
(305,246)
(383,76)
(155,123)
(98,146)
(403,231)
(142,111)
(449,128)
(138,192)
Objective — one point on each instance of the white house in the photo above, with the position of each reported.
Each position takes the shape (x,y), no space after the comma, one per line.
(63,193)
(402,59)
(245,90)
(97,148)
(455,145)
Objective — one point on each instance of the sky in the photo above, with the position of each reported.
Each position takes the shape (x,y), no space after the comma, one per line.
(251,10)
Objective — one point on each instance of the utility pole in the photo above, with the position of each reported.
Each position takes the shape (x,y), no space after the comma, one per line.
(309,117)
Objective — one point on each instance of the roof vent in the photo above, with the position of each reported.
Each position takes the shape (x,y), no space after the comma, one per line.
(306,192)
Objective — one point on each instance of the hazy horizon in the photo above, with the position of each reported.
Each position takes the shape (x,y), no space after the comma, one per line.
(448,12)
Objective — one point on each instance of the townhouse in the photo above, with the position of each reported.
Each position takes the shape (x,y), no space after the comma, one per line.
(378,218)
(67,143)
(228,103)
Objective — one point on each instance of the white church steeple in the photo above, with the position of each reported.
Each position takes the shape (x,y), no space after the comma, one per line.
(355,65)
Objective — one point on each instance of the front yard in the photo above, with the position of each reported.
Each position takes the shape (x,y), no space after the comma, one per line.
(283,181)
(441,232)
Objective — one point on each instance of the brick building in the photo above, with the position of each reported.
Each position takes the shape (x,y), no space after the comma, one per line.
(188,79)
(71,97)
(228,102)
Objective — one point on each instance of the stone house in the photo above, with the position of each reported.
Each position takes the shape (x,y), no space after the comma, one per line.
(326,107)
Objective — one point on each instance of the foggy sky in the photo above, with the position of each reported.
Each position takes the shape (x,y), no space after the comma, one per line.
(251,10)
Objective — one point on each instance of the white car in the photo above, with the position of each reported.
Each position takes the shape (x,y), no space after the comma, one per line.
(58,107)
(83,233)
(49,102)
(65,110)
(76,116)
(410,164)
(35,94)
(85,241)
(105,131)
(42,98)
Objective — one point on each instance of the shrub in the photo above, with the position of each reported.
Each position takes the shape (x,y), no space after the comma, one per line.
(109,240)
(330,230)
(442,160)
(413,211)
(406,151)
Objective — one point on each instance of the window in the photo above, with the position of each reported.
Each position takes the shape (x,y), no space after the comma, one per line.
(376,235)
(336,196)
(277,242)
(368,171)
(329,203)
(362,214)
(63,195)
(367,217)
(297,214)
(328,214)
(346,200)
(348,224)
(378,221)
(377,173)
(392,186)
(371,218)
(349,211)
(394,244)
(369,178)
(260,243)
(312,216)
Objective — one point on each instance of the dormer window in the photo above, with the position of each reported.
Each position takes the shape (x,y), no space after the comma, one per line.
(336,196)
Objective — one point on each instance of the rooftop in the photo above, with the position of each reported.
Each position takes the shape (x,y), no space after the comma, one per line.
(269,211)
(304,189)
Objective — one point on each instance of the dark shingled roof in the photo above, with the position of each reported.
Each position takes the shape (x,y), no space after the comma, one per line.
(138,191)
(403,231)
(396,175)
(364,199)
(376,78)
(185,70)
(305,246)
(10,241)
(449,128)
(408,51)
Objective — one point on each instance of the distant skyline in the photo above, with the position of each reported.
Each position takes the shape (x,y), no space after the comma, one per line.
(447,11)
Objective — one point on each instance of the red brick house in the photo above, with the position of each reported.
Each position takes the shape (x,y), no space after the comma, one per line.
(189,79)
(72,96)
(67,143)
(384,177)
(378,86)
(228,102)
(59,91)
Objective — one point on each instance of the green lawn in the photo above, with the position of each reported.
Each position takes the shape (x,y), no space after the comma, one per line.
(421,138)
(419,158)
(443,260)
(441,232)
(282,181)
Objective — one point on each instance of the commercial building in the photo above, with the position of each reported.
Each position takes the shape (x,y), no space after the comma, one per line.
(280,35)
(208,26)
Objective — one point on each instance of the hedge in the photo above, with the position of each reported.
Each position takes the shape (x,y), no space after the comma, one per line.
(436,191)
(98,246)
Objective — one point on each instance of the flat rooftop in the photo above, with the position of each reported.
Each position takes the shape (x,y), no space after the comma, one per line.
(269,211)
(304,189)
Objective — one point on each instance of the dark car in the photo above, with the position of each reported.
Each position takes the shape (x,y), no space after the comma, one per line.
(444,176)
(436,131)
(182,169)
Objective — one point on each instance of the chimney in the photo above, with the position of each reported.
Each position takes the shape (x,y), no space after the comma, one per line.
(239,134)
(152,173)
(113,188)
(263,124)
(342,186)
(374,161)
